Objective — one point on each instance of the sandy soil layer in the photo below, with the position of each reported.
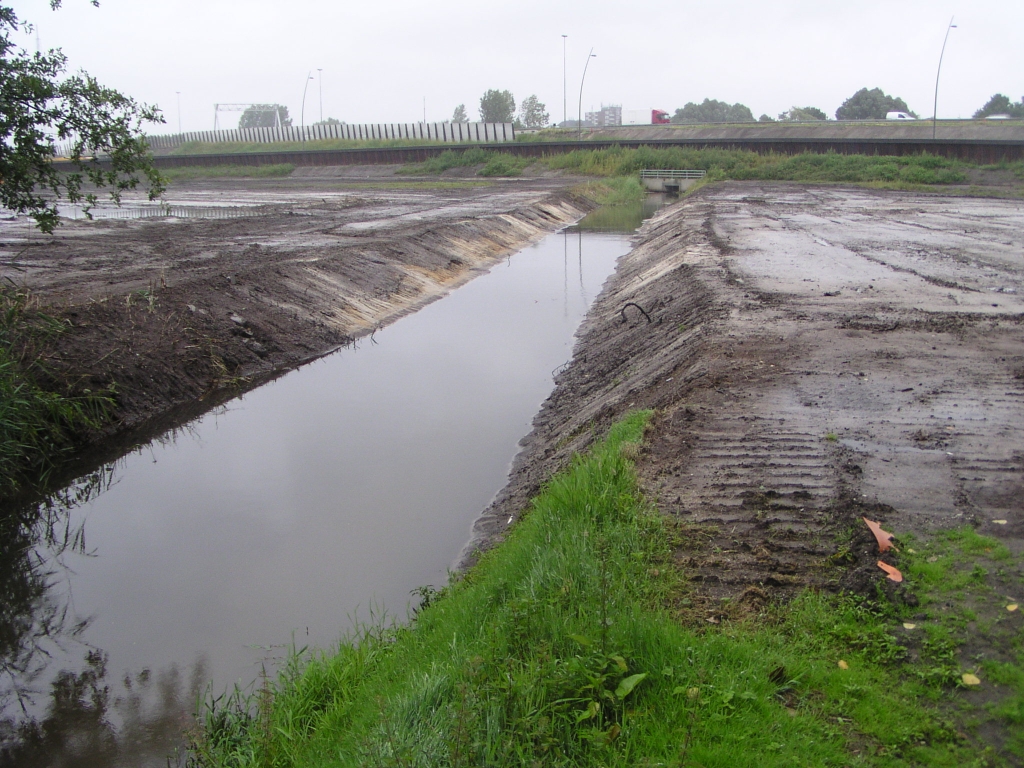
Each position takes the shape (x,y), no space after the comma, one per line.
(814,354)
(177,313)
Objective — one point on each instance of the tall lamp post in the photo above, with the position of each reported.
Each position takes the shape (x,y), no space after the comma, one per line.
(579,113)
(565,111)
(935,107)
(320,80)
(178,93)
(302,118)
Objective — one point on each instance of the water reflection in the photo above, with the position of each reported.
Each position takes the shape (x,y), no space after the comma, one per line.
(622,218)
(338,487)
(35,621)
(72,715)
(91,720)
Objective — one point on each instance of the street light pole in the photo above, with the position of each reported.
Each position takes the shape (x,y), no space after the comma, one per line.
(320,80)
(579,112)
(179,110)
(935,107)
(302,118)
(565,111)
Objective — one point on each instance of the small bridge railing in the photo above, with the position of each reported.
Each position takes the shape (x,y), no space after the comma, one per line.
(672,174)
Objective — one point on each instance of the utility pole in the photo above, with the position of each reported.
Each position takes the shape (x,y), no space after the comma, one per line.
(935,107)
(302,118)
(564,109)
(424,110)
(320,77)
(178,93)
(579,112)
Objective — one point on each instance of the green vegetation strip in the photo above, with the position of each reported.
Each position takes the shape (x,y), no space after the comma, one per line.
(911,172)
(37,424)
(742,164)
(569,645)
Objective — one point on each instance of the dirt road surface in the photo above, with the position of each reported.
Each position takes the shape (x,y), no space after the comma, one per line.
(179,313)
(816,354)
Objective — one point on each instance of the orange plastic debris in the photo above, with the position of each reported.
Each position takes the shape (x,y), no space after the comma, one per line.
(893,573)
(884,538)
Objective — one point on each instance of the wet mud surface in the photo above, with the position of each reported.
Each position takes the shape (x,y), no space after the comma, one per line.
(814,355)
(179,313)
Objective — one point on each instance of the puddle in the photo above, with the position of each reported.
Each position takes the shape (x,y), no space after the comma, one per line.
(316,501)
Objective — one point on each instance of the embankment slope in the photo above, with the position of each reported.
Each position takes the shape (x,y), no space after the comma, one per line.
(177,314)
(815,354)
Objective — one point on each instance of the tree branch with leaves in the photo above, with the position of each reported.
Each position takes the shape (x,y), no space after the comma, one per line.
(40,106)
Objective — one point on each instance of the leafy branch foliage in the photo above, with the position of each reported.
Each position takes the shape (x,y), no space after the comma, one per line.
(39,106)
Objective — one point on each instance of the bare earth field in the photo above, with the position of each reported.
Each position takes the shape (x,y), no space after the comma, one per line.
(180,313)
(815,354)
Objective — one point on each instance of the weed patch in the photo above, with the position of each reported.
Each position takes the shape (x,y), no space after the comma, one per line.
(491,163)
(37,424)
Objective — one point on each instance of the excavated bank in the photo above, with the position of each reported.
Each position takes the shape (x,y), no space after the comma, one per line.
(814,355)
(177,315)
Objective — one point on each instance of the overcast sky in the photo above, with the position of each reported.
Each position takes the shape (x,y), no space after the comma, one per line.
(379,60)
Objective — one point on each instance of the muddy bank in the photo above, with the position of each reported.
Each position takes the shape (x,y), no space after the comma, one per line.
(814,354)
(176,314)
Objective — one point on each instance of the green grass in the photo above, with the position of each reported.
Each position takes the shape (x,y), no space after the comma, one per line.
(560,649)
(742,164)
(614,190)
(227,171)
(908,172)
(492,163)
(37,425)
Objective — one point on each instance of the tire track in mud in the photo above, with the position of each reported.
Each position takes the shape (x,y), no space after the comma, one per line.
(799,384)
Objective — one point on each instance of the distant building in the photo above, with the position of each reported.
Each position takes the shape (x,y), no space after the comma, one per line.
(604,117)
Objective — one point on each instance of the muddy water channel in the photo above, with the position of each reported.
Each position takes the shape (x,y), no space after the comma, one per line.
(311,503)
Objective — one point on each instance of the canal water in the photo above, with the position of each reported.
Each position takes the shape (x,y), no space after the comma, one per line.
(282,519)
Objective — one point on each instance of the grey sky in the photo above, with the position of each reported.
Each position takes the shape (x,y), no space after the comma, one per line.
(380,60)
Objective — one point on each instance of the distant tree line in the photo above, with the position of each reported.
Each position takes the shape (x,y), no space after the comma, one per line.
(713,111)
(500,107)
